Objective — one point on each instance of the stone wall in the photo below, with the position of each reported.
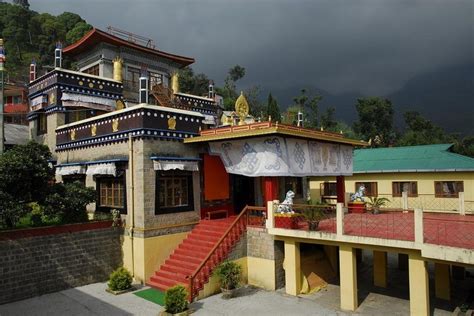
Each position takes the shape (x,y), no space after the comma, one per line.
(43,260)
(260,244)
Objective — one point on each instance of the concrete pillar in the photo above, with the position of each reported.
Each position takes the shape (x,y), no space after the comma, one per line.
(459,273)
(418,226)
(405,200)
(442,281)
(419,285)
(462,208)
(292,266)
(270,205)
(339,219)
(348,277)
(380,268)
(402,261)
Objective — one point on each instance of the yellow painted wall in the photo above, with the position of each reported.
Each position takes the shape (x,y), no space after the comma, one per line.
(425,182)
(213,286)
(149,253)
(158,249)
(261,273)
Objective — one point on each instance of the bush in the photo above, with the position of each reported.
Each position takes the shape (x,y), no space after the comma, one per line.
(120,280)
(176,299)
(229,274)
(68,202)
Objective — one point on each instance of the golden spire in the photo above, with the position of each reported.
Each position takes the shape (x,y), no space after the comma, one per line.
(118,68)
(175,82)
(242,108)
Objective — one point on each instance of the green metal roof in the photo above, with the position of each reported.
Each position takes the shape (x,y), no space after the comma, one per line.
(423,158)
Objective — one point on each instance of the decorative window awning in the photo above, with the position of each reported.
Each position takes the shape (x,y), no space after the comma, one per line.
(102,169)
(70,170)
(175,163)
(166,165)
(283,156)
(88,101)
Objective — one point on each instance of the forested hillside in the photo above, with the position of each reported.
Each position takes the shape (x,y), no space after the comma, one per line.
(30,35)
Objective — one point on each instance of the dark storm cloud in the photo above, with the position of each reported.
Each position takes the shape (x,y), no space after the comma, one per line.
(371,47)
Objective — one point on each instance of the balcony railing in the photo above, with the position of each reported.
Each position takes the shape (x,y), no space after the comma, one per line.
(437,228)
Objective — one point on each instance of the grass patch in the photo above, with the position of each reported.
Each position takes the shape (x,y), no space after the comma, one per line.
(152,295)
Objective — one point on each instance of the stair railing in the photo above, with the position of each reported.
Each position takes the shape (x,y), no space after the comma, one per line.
(221,249)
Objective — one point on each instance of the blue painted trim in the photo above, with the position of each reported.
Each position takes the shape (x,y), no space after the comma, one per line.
(174,158)
(87,163)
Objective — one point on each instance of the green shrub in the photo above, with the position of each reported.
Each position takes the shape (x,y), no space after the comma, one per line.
(36,214)
(120,280)
(68,202)
(229,274)
(176,299)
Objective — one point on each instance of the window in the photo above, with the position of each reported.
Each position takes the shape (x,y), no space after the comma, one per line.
(94,70)
(75,178)
(448,188)
(111,193)
(370,188)
(328,189)
(155,79)
(294,184)
(409,186)
(174,192)
(42,126)
(133,76)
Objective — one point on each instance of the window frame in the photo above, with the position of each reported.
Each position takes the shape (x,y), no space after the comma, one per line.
(42,124)
(108,208)
(92,70)
(357,185)
(323,185)
(410,194)
(442,195)
(161,210)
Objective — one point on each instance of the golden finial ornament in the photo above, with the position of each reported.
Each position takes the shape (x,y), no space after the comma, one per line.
(171,123)
(118,68)
(242,108)
(94,129)
(115,125)
(175,82)
(73,134)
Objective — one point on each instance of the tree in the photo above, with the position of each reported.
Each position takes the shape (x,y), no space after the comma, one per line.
(309,106)
(22,3)
(229,92)
(328,121)
(421,131)
(191,83)
(465,146)
(273,109)
(77,32)
(24,177)
(375,120)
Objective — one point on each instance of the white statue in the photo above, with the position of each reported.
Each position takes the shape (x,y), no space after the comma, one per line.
(287,205)
(359,195)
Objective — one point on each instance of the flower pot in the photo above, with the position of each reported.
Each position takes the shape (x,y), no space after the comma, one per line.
(227,294)
(165,313)
(356,207)
(313,225)
(288,221)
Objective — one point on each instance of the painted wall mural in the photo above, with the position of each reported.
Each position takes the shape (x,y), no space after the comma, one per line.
(283,156)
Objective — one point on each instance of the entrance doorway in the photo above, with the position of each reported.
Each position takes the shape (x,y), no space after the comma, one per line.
(243,192)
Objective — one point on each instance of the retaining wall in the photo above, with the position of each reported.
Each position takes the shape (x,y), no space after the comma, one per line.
(49,259)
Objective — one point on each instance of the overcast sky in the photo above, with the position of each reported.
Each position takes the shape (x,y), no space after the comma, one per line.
(368,47)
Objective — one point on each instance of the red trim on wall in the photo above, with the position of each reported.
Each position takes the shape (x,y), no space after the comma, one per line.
(53,230)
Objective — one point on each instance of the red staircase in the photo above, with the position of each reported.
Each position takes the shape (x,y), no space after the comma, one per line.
(190,253)
(209,243)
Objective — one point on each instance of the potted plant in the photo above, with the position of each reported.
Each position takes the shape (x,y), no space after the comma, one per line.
(176,302)
(312,216)
(120,281)
(229,274)
(375,203)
